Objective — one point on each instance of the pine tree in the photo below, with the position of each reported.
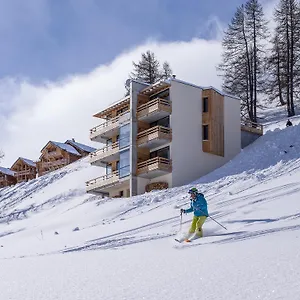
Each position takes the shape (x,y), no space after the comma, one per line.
(147,69)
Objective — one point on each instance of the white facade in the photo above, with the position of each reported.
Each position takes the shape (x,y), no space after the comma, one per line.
(188,160)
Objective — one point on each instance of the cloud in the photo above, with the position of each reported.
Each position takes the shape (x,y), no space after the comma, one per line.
(31,115)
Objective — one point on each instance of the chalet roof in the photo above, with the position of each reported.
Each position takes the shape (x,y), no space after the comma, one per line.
(66,147)
(26,161)
(7,171)
(83,147)
(63,146)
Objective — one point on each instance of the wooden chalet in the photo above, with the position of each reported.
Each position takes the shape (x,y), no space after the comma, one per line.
(84,150)
(7,177)
(25,169)
(56,155)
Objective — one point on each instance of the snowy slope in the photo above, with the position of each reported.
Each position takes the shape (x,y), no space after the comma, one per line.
(124,248)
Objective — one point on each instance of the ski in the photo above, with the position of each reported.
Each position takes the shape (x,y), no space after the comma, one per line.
(179,241)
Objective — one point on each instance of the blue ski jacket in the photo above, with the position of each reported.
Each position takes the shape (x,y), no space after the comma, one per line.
(198,206)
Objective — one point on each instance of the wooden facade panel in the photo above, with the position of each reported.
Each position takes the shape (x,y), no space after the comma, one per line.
(214,118)
(143,126)
(142,99)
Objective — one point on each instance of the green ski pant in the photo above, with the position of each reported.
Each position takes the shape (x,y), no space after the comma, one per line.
(197,225)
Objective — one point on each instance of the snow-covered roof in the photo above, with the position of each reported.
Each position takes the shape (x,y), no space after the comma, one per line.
(205,88)
(7,171)
(222,93)
(66,147)
(83,147)
(28,162)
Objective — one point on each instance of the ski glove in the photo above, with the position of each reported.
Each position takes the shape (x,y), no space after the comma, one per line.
(182,211)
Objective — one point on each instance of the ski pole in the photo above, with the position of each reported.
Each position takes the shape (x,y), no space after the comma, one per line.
(215,220)
(180,221)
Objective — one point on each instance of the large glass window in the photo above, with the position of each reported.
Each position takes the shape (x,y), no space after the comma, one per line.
(163,94)
(124,139)
(162,122)
(108,169)
(124,166)
(164,152)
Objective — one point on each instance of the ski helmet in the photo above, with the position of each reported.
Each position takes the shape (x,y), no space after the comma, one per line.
(193,191)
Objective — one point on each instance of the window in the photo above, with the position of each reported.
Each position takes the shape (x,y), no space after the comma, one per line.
(205,133)
(162,122)
(108,169)
(121,110)
(108,142)
(124,164)
(205,104)
(124,140)
(163,94)
(164,152)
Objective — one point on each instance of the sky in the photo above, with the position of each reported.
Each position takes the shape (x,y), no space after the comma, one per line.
(63,61)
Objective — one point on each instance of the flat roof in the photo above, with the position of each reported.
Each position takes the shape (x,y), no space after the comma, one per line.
(156,87)
(113,106)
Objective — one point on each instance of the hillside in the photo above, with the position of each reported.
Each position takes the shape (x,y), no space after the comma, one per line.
(125,249)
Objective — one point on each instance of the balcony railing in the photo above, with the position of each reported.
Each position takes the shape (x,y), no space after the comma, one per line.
(103,181)
(154,106)
(157,133)
(155,164)
(109,125)
(104,152)
(25,172)
(55,163)
(247,125)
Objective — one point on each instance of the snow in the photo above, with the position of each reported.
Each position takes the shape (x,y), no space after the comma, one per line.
(7,171)
(125,248)
(81,146)
(67,148)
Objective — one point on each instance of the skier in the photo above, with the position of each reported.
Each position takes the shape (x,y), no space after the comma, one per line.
(199,207)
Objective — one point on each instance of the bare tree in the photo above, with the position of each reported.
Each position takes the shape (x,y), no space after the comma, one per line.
(243,55)
(1,155)
(275,84)
(166,71)
(287,18)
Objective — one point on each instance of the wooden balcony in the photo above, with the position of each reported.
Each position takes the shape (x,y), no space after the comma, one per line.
(154,167)
(53,164)
(154,137)
(105,155)
(247,125)
(154,110)
(109,128)
(106,183)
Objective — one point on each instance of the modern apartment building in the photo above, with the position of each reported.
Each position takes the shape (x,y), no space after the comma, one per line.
(163,135)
